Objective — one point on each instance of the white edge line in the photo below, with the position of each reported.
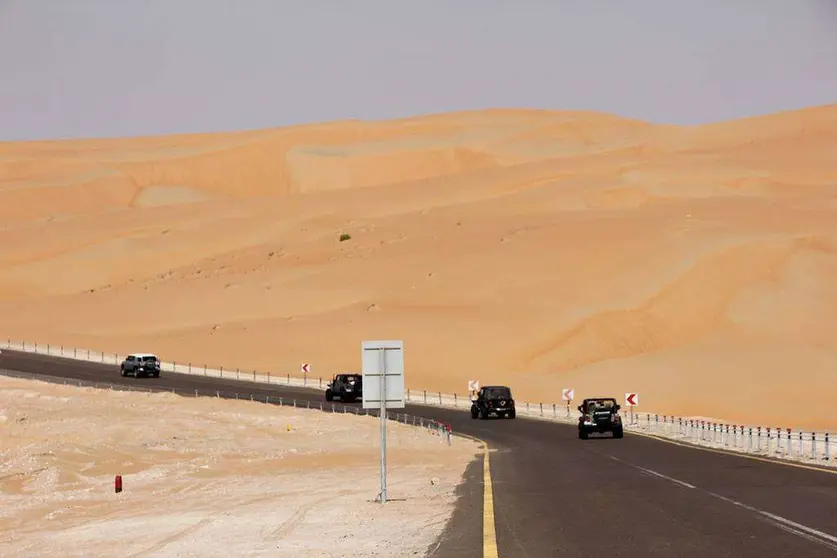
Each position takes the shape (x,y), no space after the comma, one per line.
(793,527)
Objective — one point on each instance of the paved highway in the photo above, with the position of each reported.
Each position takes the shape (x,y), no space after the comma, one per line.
(556,495)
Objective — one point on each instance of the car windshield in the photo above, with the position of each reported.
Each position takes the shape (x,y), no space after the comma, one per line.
(493,392)
(149,359)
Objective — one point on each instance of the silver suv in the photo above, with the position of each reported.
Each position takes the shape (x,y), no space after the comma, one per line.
(141,364)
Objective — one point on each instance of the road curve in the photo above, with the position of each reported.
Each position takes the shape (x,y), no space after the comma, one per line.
(556,495)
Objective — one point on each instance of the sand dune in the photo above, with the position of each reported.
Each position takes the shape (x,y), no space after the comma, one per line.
(542,249)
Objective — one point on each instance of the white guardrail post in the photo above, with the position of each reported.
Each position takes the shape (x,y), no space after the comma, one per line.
(809,446)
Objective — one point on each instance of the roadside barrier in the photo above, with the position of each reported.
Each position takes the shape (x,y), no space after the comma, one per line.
(434,427)
(814,447)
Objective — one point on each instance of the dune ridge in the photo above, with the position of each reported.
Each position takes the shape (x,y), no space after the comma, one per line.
(540,249)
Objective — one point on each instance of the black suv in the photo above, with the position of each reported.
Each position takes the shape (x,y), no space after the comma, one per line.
(346,387)
(599,415)
(493,400)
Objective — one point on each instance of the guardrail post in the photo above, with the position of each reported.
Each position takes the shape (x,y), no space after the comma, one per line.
(237,374)
(173,366)
(813,445)
(190,368)
(425,396)
(440,398)
(455,401)
(758,438)
(289,378)
(790,444)
(827,448)
(527,406)
(221,372)
(254,374)
(204,370)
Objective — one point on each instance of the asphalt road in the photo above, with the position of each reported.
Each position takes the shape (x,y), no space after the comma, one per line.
(556,495)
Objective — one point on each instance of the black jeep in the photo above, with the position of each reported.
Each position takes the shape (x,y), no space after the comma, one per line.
(599,415)
(493,400)
(346,387)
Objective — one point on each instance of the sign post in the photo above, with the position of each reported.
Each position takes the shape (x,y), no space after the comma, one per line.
(632,400)
(567,395)
(383,387)
(473,388)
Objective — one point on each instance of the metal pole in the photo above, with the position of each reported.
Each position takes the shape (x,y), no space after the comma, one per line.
(383,388)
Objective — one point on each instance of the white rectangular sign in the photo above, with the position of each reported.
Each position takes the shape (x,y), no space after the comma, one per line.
(567,394)
(387,358)
(631,399)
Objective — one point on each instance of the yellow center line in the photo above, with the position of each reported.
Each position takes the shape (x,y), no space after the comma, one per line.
(489,534)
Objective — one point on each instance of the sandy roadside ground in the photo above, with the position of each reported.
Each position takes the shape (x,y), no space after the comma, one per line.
(208,477)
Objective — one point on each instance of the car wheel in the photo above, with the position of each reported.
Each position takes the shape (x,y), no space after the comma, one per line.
(473,413)
(329,395)
(617,433)
(582,434)
(512,414)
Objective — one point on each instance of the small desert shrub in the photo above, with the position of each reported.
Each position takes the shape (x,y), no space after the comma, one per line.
(344,236)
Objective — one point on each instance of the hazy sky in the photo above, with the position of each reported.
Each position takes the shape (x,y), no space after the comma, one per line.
(133,67)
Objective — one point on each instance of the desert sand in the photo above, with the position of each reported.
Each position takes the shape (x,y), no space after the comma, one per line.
(209,477)
(538,249)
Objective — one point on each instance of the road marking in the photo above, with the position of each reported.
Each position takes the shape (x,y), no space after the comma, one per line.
(734,454)
(808,533)
(785,524)
(489,533)
(670,479)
